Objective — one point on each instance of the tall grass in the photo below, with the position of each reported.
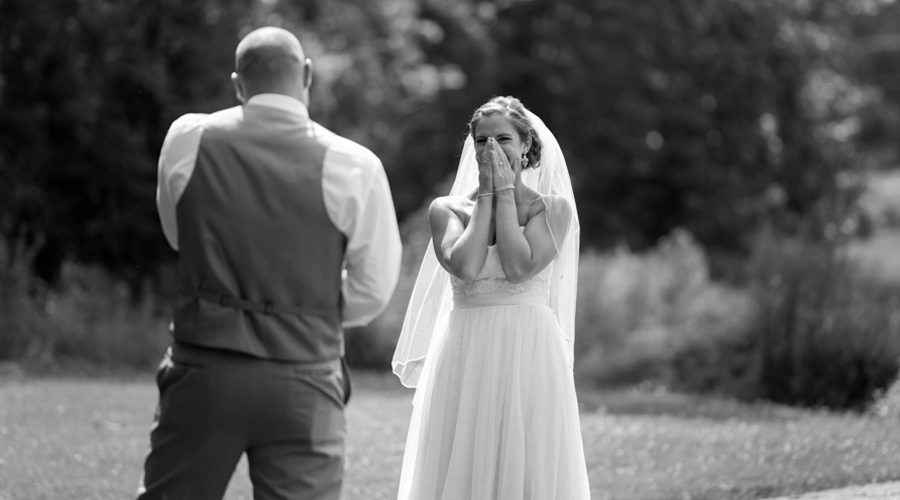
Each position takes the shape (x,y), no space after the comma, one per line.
(87,321)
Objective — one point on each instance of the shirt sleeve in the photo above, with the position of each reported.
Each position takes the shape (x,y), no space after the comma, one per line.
(176,164)
(358,200)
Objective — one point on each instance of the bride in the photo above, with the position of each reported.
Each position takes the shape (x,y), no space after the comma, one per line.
(487,339)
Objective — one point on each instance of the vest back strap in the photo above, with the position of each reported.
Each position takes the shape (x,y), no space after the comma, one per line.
(265,307)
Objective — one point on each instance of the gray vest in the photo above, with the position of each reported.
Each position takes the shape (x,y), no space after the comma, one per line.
(260,258)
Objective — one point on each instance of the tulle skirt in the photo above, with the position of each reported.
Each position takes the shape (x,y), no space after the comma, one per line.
(495,415)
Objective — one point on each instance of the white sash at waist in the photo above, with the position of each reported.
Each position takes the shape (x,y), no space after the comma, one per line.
(537,298)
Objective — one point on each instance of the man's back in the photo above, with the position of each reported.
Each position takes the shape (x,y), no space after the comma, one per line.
(260,257)
(273,200)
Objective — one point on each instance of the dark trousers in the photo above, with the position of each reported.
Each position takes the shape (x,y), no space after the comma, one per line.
(215,405)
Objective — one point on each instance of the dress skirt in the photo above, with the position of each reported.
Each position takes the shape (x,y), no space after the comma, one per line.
(495,415)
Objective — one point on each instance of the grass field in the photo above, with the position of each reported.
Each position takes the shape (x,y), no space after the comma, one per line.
(83,438)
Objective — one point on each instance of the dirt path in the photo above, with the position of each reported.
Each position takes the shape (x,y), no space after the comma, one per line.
(884,491)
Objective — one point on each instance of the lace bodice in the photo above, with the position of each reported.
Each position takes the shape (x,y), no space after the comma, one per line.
(492,280)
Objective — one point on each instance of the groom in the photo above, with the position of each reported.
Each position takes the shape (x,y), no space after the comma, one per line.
(267,209)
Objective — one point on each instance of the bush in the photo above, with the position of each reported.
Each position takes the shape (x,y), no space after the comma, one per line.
(809,329)
(824,333)
(24,326)
(887,404)
(99,324)
(90,320)
(640,315)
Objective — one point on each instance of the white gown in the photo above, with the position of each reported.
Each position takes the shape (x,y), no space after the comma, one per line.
(495,415)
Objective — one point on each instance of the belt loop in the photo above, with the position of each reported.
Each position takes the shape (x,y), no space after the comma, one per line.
(268,307)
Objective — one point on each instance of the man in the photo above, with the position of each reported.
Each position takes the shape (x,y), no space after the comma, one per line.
(267,210)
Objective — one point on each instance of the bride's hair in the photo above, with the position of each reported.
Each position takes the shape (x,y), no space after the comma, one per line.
(511,108)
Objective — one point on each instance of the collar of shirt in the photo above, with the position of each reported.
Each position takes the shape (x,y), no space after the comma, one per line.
(279,101)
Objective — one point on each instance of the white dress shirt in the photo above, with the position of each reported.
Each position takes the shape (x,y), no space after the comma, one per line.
(357,199)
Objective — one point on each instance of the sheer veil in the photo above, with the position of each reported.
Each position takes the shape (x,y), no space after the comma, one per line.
(429,307)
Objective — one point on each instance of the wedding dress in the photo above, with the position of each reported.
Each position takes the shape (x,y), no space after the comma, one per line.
(495,415)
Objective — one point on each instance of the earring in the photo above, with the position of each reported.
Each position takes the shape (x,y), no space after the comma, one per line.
(524,161)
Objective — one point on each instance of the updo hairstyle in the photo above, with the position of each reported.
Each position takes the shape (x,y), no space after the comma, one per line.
(512,109)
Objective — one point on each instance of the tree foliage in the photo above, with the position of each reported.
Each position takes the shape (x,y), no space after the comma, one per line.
(88,90)
(681,114)
(721,116)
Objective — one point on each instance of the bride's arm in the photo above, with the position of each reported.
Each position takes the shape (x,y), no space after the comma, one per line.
(523,254)
(460,249)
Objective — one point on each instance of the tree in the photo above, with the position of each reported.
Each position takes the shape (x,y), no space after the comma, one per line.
(720,116)
(88,90)
(692,114)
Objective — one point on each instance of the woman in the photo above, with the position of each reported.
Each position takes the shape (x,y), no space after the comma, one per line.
(487,338)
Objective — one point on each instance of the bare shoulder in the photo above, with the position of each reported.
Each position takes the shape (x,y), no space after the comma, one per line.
(557,203)
(541,203)
(446,206)
(554,209)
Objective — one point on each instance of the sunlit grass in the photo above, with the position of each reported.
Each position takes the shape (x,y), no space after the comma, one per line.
(85,438)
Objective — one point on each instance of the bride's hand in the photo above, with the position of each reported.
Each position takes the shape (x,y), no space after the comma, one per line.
(485,173)
(504,177)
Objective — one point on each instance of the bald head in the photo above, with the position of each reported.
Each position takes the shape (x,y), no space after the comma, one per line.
(271,60)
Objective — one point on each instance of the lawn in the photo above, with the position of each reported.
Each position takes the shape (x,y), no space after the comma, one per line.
(84,438)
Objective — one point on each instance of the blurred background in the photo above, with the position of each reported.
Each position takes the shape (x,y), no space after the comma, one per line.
(735,165)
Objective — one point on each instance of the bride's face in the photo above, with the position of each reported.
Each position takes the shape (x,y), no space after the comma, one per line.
(502,130)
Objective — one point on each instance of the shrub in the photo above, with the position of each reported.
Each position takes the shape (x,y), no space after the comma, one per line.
(640,315)
(809,329)
(824,333)
(90,320)
(887,404)
(99,323)
(24,326)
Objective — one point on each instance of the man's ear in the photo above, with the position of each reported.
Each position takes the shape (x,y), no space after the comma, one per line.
(307,73)
(238,87)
